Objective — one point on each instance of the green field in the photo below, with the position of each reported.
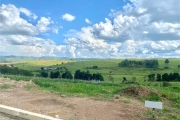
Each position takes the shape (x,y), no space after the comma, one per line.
(109,68)
(168,93)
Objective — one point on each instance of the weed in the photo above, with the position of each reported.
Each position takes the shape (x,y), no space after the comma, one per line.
(5,86)
(28,87)
(154,97)
(126,101)
(70,118)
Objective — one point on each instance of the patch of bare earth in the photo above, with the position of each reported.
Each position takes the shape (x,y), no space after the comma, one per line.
(138,91)
(43,102)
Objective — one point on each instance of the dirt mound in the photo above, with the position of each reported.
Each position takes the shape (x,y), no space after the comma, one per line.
(139,91)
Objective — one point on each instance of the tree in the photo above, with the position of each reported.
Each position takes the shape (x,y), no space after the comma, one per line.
(151,77)
(77,74)
(54,74)
(158,78)
(134,63)
(165,77)
(178,66)
(124,79)
(44,74)
(67,75)
(42,68)
(176,76)
(166,62)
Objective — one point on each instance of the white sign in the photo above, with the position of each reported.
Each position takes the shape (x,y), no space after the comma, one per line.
(152,104)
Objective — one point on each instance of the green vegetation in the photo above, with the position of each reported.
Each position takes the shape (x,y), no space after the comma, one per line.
(14,71)
(87,76)
(161,81)
(5,86)
(135,63)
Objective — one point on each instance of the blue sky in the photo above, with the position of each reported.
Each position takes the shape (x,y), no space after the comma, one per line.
(93,10)
(90,28)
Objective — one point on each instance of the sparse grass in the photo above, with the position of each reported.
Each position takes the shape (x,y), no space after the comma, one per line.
(126,100)
(70,118)
(5,86)
(79,88)
(28,87)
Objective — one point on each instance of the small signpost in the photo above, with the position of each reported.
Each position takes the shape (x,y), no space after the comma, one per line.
(153,105)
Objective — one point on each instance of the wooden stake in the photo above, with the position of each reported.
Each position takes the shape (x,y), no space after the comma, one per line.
(153,113)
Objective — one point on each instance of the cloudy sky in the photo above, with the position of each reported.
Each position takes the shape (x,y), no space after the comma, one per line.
(90,28)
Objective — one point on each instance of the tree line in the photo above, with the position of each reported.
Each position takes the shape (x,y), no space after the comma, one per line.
(14,71)
(88,76)
(145,63)
(56,74)
(164,77)
(78,75)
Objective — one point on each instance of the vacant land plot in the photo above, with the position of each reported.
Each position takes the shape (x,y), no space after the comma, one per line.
(18,94)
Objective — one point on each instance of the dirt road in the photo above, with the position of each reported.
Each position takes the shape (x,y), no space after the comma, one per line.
(16,94)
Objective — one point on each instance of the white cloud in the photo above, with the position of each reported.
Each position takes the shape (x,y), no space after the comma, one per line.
(26,45)
(12,24)
(68,17)
(137,29)
(18,36)
(88,21)
(28,13)
(159,18)
(143,29)
(55,30)
(43,24)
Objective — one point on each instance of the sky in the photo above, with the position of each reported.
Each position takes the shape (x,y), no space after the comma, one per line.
(90,28)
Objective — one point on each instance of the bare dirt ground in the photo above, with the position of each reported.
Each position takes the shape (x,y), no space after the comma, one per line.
(69,108)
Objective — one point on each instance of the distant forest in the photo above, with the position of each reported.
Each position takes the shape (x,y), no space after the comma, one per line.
(14,71)
(144,63)
(164,77)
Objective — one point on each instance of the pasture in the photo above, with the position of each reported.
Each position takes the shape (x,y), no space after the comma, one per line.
(109,68)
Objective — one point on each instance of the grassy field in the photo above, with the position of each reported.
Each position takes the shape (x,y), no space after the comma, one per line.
(33,65)
(169,95)
(109,68)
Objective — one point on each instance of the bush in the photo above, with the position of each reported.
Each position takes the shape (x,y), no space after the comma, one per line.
(166,67)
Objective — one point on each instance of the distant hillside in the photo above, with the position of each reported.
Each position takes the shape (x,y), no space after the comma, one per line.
(4,59)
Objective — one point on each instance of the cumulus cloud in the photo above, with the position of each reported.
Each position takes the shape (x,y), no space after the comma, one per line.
(12,24)
(18,36)
(55,30)
(137,31)
(88,21)
(142,29)
(159,18)
(43,24)
(68,17)
(28,13)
